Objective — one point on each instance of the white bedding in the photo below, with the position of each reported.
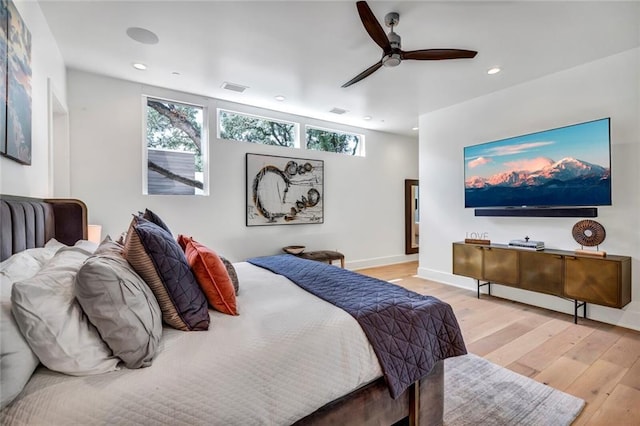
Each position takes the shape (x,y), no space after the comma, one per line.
(287,354)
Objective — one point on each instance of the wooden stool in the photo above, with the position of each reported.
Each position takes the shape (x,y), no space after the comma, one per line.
(324,256)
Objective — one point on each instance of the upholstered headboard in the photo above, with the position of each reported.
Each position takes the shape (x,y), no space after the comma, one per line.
(31,222)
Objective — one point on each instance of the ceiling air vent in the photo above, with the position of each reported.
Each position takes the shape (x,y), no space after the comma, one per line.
(234,87)
(338,111)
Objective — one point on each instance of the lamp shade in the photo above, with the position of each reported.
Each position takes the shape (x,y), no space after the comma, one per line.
(94,233)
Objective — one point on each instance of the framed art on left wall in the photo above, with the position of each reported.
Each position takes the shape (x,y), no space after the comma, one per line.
(4,24)
(284,190)
(17,145)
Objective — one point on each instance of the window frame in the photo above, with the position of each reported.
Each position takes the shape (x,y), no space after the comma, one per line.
(204,144)
(360,151)
(296,127)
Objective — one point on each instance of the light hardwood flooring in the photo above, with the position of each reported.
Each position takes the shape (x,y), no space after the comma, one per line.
(597,362)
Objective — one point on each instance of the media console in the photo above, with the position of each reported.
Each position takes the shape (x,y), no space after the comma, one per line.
(582,278)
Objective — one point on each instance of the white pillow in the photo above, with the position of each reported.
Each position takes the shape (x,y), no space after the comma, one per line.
(17,360)
(26,263)
(52,321)
(87,245)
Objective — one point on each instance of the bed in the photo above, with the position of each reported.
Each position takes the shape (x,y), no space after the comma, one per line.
(288,358)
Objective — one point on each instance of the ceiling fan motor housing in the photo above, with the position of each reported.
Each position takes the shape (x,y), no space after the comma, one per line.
(394,40)
(391,60)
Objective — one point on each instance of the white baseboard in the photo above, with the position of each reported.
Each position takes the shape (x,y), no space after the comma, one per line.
(628,317)
(379,261)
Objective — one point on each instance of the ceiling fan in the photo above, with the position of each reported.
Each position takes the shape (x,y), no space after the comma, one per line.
(392,54)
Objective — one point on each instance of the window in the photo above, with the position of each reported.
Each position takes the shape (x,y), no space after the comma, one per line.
(175,148)
(251,128)
(334,141)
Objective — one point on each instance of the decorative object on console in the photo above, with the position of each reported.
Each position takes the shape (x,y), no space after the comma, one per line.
(527,243)
(17,145)
(293,249)
(591,234)
(477,241)
(284,190)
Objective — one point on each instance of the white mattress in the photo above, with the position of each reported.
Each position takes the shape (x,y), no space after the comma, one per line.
(287,354)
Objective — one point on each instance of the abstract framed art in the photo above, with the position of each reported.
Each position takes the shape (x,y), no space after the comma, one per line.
(284,190)
(4,25)
(18,88)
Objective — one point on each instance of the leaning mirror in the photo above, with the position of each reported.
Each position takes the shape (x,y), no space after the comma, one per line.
(411,216)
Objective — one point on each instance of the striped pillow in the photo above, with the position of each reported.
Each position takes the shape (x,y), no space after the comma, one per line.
(159,260)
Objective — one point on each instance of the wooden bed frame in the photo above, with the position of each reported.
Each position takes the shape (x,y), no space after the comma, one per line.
(31,222)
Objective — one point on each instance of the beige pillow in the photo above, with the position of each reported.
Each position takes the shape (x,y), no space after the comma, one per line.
(53,322)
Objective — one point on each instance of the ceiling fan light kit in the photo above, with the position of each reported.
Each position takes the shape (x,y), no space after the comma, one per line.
(391,44)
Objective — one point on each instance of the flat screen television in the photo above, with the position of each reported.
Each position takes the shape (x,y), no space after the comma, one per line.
(563,167)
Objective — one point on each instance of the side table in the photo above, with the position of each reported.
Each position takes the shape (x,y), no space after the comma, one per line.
(324,256)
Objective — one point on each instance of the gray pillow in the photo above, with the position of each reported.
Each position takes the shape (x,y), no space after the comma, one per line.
(121,306)
(232,274)
(109,246)
(52,321)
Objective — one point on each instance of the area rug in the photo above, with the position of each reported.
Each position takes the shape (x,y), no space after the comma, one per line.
(478,392)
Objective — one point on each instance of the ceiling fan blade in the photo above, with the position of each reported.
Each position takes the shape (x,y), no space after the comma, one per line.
(364,74)
(372,26)
(438,54)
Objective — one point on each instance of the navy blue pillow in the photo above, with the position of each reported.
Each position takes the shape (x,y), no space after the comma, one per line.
(160,261)
(154,218)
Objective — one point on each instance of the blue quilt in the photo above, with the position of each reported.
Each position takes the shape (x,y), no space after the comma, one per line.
(409,332)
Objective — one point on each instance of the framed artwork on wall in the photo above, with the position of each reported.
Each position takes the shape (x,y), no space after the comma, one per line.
(284,190)
(18,116)
(4,24)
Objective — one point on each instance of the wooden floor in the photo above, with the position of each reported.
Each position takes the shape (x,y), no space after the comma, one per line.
(597,362)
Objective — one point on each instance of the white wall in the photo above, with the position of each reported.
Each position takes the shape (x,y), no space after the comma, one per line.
(609,87)
(47,65)
(364,197)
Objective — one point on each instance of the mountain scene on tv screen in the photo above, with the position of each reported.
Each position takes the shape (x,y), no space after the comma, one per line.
(568,166)
(568,182)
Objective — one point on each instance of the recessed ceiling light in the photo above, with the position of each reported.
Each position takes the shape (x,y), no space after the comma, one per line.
(139,66)
(494,70)
(280,98)
(414,128)
(142,35)
(366,117)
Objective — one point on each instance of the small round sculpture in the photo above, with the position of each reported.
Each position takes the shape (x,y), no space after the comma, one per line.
(588,233)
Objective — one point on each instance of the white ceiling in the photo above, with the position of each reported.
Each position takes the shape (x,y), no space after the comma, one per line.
(306,50)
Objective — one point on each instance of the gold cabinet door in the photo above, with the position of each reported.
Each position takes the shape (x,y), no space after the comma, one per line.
(541,272)
(592,280)
(501,266)
(467,260)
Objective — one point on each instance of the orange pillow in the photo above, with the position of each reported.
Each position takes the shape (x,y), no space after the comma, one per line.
(211,274)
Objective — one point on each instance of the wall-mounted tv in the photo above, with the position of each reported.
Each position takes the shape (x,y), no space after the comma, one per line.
(567,166)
